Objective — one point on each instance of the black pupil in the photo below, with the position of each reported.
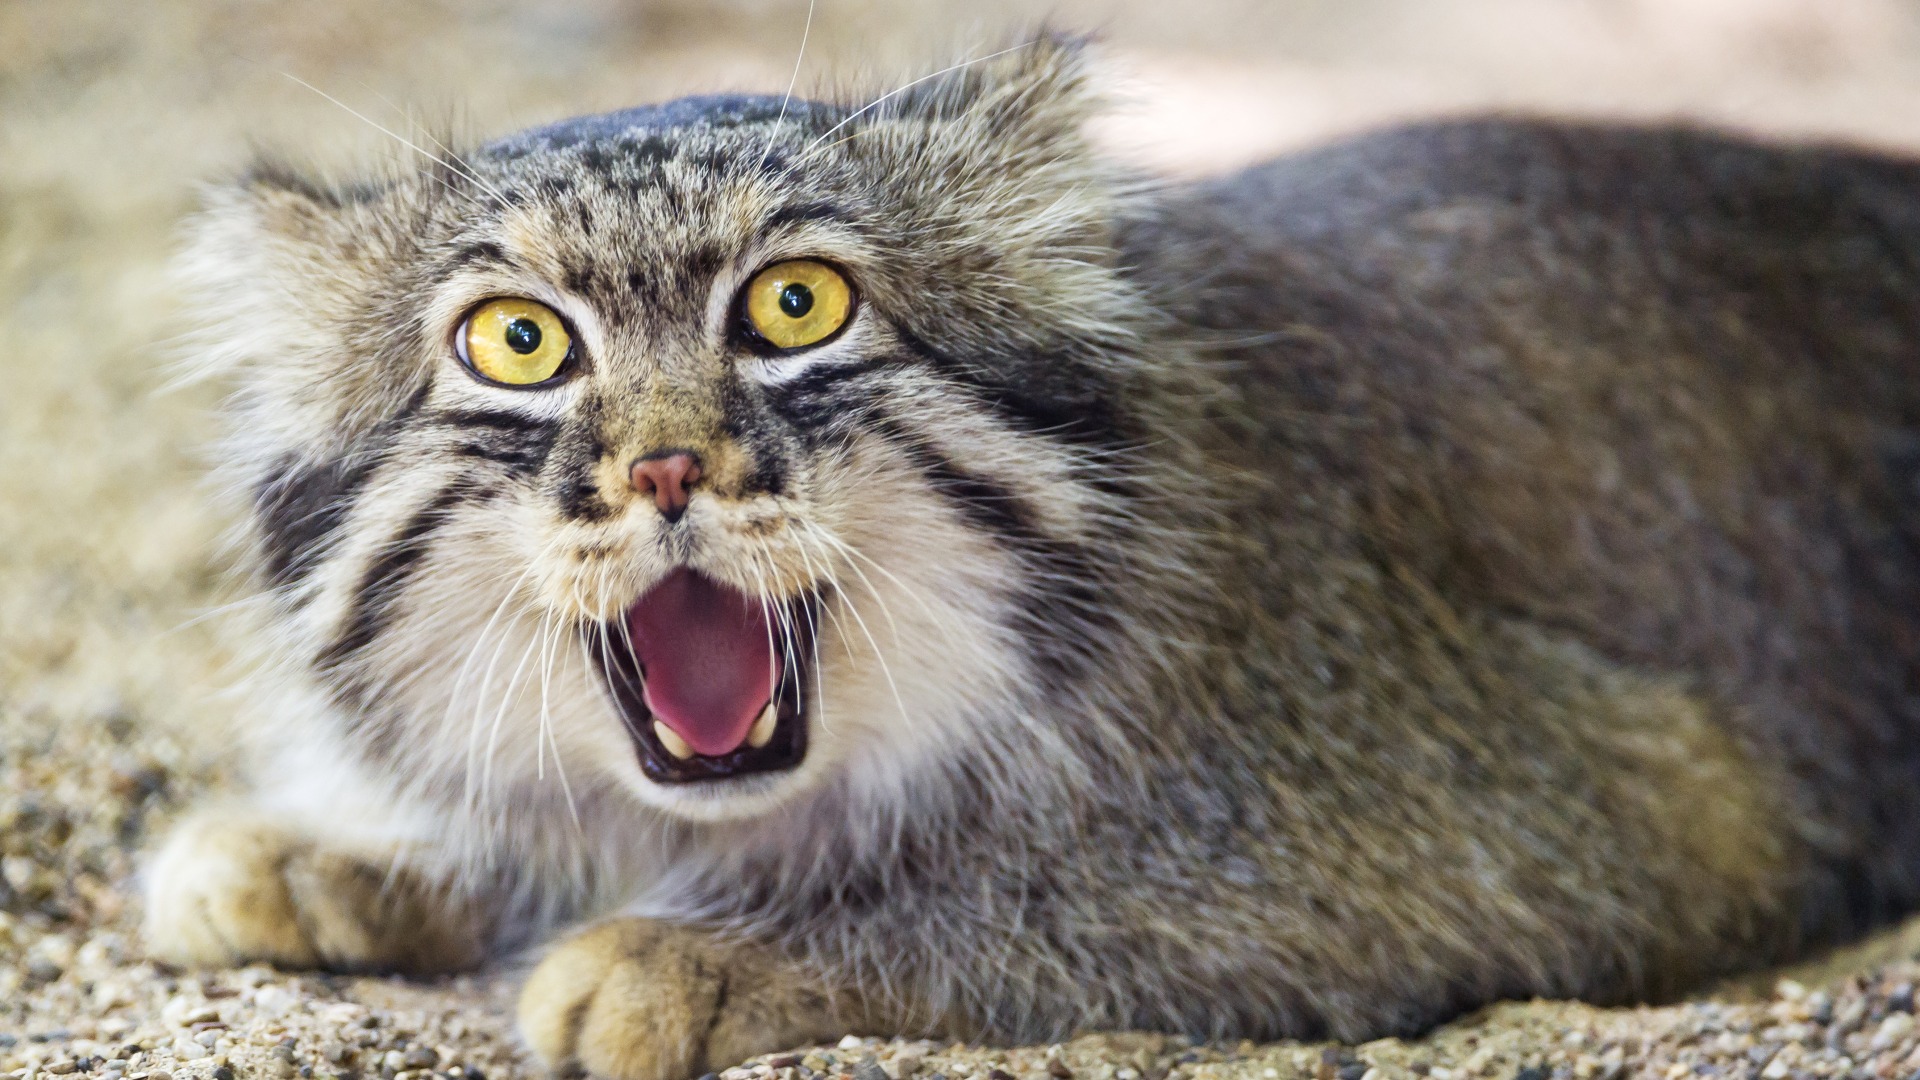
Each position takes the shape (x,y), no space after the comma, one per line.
(523,336)
(796,300)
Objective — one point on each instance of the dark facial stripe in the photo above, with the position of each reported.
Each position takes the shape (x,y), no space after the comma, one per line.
(371,608)
(301,506)
(1063,576)
(795,214)
(490,419)
(824,394)
(519,442)
(483,253)
(576,451)
(299,510)
(1050,398)
(986,504)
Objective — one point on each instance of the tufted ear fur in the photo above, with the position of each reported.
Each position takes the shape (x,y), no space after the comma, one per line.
(287,277)
(992,159)
(1029,99)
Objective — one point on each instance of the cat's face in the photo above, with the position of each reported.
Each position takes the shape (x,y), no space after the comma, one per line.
(694,455)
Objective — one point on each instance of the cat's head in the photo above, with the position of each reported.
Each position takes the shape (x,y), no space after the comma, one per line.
(719,451)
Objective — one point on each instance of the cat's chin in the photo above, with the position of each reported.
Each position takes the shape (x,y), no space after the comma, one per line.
(739,770)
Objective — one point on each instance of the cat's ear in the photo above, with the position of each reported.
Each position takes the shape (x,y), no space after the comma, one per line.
(276,223)
(1033,96)
(282,276)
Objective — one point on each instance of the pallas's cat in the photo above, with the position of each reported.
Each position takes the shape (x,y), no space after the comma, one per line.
(891,569)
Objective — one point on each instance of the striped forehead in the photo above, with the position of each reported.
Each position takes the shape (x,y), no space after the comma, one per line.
(645,248)
(639,225)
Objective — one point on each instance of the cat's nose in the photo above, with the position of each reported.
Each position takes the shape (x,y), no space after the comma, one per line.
(666,476)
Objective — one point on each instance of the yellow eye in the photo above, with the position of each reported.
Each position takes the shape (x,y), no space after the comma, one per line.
(514,342)
(798,303)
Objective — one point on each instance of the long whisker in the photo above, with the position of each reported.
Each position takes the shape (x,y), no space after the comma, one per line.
(805,32)
(891,94)
(550,650)
(926,606)
(471,173)
(886,669)
(761,562)
(460,679)
(461,170)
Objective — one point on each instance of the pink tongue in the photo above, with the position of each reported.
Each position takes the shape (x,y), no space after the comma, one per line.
(708,660)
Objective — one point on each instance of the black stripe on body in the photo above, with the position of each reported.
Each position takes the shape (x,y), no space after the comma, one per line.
(387,575)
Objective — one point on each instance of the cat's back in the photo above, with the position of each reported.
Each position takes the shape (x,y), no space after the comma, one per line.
(1653,390)
(1389,210)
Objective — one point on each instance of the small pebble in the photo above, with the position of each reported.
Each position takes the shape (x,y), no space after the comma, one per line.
(223,1072)
(869,1069)
(1894,1028)
(1058,1070)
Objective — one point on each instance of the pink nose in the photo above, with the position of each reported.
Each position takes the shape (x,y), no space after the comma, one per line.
(666,476)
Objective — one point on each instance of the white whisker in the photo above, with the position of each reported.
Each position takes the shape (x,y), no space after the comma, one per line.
(896,92)
(805,32)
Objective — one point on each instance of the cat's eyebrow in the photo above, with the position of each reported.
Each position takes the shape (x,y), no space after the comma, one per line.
(484,252)
(794,213)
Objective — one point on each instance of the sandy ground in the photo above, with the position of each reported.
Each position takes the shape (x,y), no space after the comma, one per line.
(110,662)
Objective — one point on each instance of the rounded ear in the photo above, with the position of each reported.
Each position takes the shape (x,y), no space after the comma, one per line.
(993,157)
(1033,95)
(281,276)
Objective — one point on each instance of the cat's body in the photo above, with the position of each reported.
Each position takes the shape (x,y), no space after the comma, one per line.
(1475,560)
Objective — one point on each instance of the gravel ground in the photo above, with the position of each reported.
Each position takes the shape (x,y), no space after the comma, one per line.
(111,719)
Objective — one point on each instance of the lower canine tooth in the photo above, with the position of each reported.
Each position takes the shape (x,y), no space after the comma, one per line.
(671,739)
(762,732)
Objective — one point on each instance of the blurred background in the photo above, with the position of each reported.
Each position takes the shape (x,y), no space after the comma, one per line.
(112,111)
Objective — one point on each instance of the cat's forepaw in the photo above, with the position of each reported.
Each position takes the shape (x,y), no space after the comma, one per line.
(634,999)
(224,892)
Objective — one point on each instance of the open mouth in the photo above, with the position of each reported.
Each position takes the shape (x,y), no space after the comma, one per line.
(710,681)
